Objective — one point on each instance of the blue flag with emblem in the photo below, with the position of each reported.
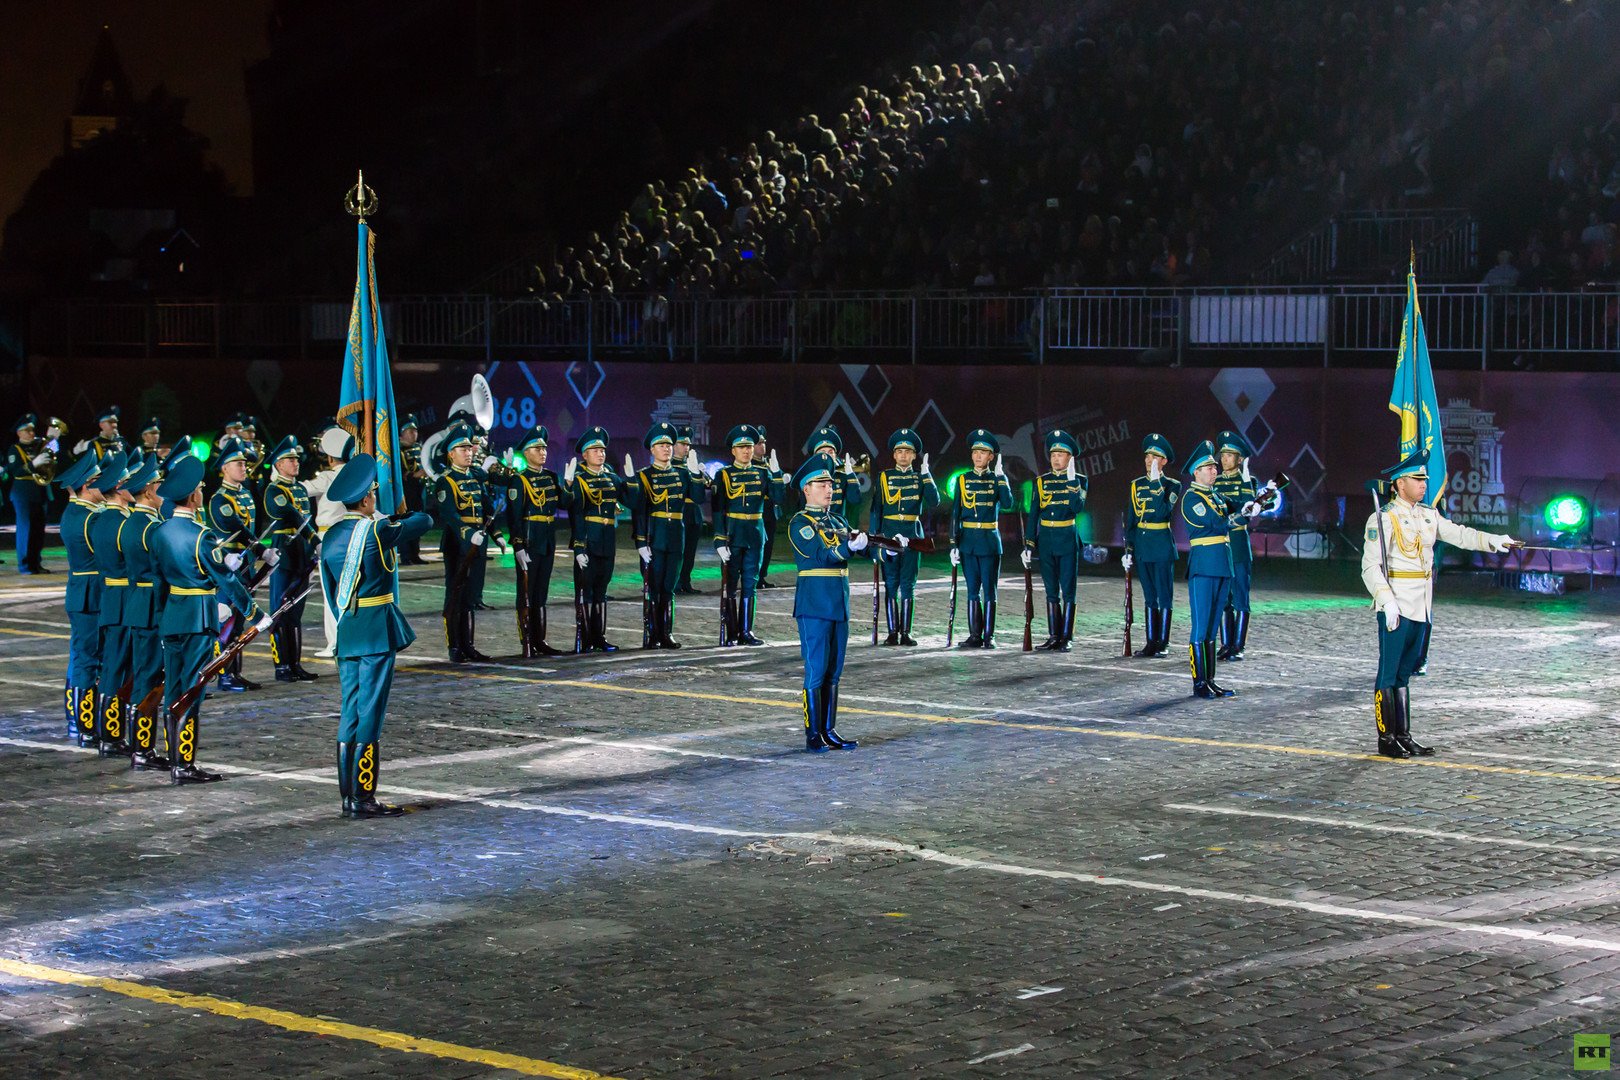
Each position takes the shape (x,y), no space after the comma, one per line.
(366,404)
(1413,397)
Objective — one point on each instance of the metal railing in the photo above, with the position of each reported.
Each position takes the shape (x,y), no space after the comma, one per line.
(1325,324)
(1377,244)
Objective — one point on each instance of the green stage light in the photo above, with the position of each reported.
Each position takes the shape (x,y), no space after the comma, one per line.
(1566,513)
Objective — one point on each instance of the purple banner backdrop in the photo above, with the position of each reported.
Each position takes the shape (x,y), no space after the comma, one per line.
(1513,439)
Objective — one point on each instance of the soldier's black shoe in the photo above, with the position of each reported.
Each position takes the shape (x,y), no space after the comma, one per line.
(1054,627)
(190,774)
(1150,647)
(746,634)
(540,648)
(1209,673)
(829,717)
(472,655)
(989,641)
(114,748)
(248,684)
(368,807)
(763,584)
(230,682)
(457,656)
(975,638)
(285,673)
(148,759)
(481,606)
(1390,747)
(303,675)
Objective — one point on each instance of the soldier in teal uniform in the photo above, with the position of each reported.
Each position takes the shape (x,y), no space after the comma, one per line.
(410,457)
(462,503)
(291,556)
(1239,489)
(198,584)
(533,497)
(107,440)
(1206,515)
(900,498)
(151,436)
(232,514)
(360,575)
(659,520)
(114,666)
(180,448)
(1053,536)
(697,493)
(1149,545)
(765,461)
(846,485)
(28,464)
(143,607)
(83,596)
(981,495)
(596,492)
(822,545)
(741,491)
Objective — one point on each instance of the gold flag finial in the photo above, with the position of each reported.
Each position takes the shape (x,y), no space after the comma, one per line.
(360,201)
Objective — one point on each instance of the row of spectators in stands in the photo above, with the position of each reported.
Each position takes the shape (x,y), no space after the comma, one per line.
(1094,145)
(1583,206)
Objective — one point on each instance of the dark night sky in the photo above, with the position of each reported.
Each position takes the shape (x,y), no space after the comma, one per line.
(198,48)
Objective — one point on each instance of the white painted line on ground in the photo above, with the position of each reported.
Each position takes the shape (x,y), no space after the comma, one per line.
(1356,912)
(1602,763)
(1038,991)
(1021,1048)
(1402,830)
(586,740)
(36,656)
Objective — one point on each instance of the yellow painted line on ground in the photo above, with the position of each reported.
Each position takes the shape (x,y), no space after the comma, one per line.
(792,705)
(32,633)
(290,1021)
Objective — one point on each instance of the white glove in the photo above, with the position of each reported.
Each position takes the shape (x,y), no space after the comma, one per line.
(1500,544)
(1127,562)
(956,557)
(849,464)
(568,470)
(522,559)
(224,611)
(1072,473)
(858,541)
(692,465)
(1250,508)
(999,470)
(264,623)
(629,467)
(81,446)
(271,556)
(40,459)
(904,542)
(645,552)
(582,560)
(478,537)
(490,462)
(233,561)
(1027,557)
(1392,613)
(1154,472)
(925,465)
(775,468)
(724,553)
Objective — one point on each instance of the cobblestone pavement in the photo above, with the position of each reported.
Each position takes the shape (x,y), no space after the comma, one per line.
(1034,865)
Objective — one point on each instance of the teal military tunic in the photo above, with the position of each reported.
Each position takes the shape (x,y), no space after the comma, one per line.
(143,606)
(533,499)
(659,521)
(740,496)
(900,499)
(593,519)
(83,602)
(1204,513)
(820,542)
(1053,532)
(461,502)
(1148,539)
(976,532)
(195,580)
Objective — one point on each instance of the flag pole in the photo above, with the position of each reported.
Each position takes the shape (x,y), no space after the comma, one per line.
(360,201)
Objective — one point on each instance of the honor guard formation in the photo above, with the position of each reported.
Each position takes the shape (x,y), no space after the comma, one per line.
(169,544)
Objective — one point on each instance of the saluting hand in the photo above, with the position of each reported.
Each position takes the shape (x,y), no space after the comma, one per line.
(629,467)
(1072,472)
(849,464)
(692,465)
(1154,471)
(775,468)
(999,470)
(925,465)
(568,470)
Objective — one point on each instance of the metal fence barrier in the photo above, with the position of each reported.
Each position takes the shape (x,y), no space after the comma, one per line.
(1348,325)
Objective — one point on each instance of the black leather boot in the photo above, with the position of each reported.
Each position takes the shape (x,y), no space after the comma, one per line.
(905,622)
(345,773)
(1166,616)
(1150,646)
(1240,635)
(598,620)
(1386,716)
(469,631)
(363,803)
(236,669)
(829,717)
(666,623)
(975,638)
(813,712)
(1228,633)
(746,634)
(1054,626)
(1068,628)
(537,633)
(452,639)
(1403,703)
(110,726)
(296,633)
(989,626)
(891,613)
(1195,659)
(1209,672)
(728,621)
